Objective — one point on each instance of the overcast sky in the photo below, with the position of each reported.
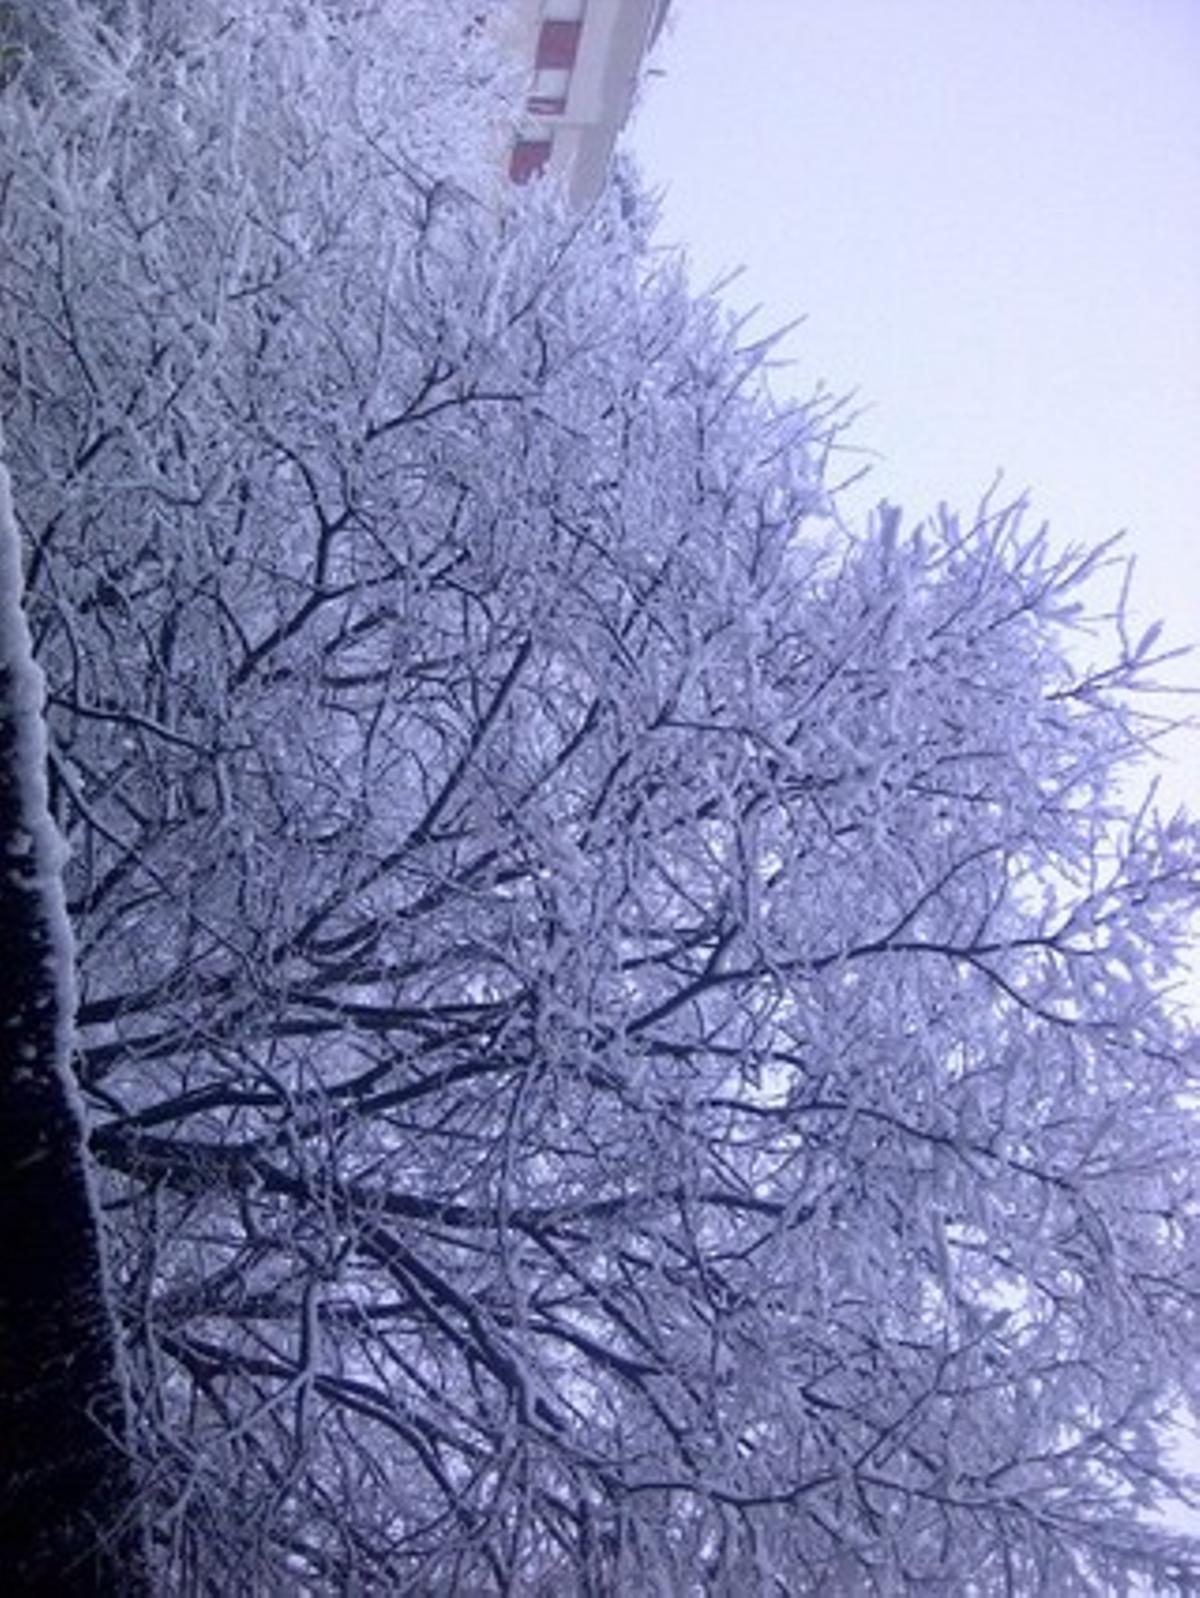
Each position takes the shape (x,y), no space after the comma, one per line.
(989,213)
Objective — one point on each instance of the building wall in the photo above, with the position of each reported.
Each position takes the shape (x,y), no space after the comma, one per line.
(585,59)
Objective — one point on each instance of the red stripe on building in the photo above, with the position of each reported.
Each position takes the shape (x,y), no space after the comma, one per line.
(528,159)
(558,44)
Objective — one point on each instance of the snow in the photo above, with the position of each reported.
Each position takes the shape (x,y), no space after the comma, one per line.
(38,845)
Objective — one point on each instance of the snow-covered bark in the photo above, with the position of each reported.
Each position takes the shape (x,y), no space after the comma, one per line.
(69,1520)
(625,1024)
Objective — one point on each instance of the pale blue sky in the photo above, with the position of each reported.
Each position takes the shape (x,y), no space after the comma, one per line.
(989,212)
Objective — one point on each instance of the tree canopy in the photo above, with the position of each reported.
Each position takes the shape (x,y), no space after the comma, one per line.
(626,1026)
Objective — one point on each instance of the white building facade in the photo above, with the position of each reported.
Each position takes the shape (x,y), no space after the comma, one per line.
(585,60)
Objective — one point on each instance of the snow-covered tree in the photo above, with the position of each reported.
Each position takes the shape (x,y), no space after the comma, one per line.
(626,1027)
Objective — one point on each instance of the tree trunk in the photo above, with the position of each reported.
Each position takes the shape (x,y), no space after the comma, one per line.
(69,1518)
